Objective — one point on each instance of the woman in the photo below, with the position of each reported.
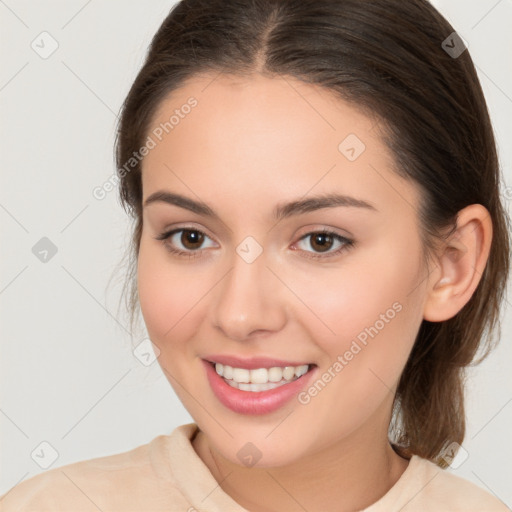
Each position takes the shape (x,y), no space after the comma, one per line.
(319,246)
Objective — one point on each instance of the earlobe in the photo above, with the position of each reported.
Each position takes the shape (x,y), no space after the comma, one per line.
(460,264)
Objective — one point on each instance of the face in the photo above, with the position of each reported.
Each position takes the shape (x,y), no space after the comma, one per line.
(276,234)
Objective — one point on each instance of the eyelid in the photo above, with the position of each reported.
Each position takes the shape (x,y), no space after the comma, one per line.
(305,230)
(345,244)
(167,231)
(346,241)
(322,228)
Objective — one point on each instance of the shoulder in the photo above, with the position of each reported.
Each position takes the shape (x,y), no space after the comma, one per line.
(81,486)
(431,488)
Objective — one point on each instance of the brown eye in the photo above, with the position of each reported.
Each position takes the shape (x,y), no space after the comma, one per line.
(324,244)
(321,241)
(186,242)
(191,239)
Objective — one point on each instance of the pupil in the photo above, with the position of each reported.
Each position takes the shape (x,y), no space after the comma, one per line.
(321,238)
(190,237)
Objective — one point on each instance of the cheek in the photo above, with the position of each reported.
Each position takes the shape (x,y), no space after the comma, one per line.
(375,318)
(169,296)
(369,307)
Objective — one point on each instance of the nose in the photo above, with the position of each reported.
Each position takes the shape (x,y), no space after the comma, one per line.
(249,300)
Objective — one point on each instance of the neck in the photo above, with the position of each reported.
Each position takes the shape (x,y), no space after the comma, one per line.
(348,475)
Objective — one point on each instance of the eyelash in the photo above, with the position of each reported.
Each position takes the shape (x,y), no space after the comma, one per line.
(347,243)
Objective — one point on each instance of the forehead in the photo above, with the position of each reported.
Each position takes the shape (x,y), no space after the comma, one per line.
(262,137)
(280,109)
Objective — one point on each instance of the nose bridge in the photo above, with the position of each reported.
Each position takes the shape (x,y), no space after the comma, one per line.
(247,300)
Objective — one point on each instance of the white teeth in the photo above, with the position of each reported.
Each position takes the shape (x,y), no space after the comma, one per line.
(264,378)
(255,387)
(301,370)
(241,375)
(228,372)
(288,372)
(275,374)
(259,376)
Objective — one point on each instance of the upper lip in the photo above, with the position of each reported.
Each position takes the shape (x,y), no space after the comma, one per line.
(251,363)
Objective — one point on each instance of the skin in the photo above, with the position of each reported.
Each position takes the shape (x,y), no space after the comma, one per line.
(249,145)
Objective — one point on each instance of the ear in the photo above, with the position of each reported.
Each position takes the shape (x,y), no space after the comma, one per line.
(460,264)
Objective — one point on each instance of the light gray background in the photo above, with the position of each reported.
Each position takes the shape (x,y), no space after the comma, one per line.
(68,375)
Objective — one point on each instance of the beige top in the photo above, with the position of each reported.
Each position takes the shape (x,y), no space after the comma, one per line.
(167,475)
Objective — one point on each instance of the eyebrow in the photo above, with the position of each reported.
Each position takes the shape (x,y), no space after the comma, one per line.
(281,211)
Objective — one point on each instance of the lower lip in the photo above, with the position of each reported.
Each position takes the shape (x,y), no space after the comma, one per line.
(254,402)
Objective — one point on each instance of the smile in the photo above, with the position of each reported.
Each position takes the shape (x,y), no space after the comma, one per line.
(260,389)
(259,379)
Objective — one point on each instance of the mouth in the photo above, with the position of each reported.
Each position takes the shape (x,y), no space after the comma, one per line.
(259,379)
(261,389)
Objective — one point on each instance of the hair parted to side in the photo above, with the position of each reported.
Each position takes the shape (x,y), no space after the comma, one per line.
(385,57)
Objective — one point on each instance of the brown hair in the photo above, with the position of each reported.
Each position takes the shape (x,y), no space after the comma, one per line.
(385,57)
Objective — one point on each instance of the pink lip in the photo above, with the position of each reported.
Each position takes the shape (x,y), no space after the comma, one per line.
(251,363)
(259,402)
